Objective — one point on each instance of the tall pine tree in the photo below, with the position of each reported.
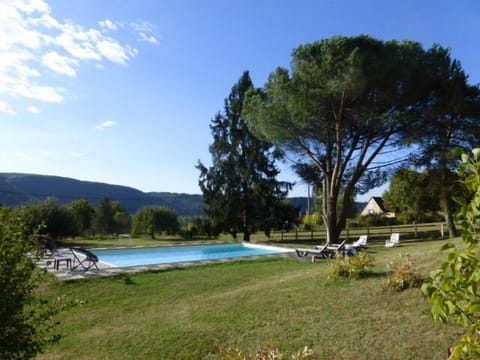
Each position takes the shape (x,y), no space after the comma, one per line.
(240,189)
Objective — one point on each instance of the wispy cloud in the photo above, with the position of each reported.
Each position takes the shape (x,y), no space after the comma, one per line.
(6,108)
(29,32)
(106,124)
(33,109)
(108,24)
(60,64)
(147,38)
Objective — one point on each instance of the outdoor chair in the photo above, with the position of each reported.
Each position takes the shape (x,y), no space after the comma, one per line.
(319,251)
(84,258)
(393,241)
(360,244)
(58,257)
(50,247)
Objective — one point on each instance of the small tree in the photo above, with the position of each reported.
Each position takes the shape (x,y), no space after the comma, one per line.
(83,213)
(103,221)
(153,219)
(57,220)
(453,289)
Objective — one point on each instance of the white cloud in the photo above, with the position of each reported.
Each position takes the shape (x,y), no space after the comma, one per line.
(33,41)
(6,108)
(106,124)
(60,64)
(33,109)
(107,24)
(112,51)
(148,38)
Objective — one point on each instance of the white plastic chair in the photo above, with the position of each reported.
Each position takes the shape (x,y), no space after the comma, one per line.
(393,241)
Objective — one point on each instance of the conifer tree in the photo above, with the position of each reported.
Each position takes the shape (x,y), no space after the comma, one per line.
(240,189)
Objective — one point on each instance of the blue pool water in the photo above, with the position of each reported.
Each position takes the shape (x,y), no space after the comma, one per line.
(177,254)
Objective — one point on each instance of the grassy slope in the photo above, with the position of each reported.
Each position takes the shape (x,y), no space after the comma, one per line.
(188,313)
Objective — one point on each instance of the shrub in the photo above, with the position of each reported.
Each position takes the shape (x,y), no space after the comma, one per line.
(357,266)
(453,288)
(26,324)
(402,274)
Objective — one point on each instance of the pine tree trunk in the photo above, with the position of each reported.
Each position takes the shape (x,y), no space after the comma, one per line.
(445,198)
(448,214)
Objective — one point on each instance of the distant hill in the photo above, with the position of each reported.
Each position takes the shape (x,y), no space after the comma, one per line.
(16,189)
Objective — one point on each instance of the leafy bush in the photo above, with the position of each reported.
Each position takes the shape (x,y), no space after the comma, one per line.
(402,274)
(357,266)
(310,221)
(453,288)
(268,353)
(25,319)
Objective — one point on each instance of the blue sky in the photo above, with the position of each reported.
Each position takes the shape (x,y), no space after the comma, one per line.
(123,92)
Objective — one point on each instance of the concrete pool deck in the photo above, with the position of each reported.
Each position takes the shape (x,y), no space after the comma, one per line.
(64,274)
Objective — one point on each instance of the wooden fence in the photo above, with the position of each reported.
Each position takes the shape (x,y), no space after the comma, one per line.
(376,234)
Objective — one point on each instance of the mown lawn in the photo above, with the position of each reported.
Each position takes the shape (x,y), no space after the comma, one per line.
(190,313)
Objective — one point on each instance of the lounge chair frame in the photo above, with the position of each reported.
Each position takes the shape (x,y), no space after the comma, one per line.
(87,261)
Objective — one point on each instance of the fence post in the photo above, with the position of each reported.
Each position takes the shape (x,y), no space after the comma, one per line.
(296,232)
(416,234)
(442,233)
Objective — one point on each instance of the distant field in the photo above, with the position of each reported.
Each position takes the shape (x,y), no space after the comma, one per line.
(189,313)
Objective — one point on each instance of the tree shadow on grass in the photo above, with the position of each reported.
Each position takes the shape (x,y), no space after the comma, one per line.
(125,278)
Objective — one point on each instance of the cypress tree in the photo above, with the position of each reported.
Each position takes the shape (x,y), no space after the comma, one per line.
(240,189)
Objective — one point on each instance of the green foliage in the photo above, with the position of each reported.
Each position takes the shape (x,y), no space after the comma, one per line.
(411,194)
(450,121)
(402,274)
(267,353)
(375,220)
(154,219)
(357,266)
(240,189)
(57,220)
(311,220)
(453,288)
(345,101)
(103,222)
(25,319)
(122,221)
(83,213)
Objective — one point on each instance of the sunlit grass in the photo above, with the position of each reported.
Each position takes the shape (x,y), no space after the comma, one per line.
(189,313)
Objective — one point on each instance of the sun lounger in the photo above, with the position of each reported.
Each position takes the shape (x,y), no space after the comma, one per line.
(84,258)
(320,252)
(360,244)
(393,241)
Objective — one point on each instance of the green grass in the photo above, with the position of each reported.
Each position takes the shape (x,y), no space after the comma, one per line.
(189,313)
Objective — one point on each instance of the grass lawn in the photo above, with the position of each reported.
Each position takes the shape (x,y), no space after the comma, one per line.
(189,313)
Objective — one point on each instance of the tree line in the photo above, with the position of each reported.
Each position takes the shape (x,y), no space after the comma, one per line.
(80,218)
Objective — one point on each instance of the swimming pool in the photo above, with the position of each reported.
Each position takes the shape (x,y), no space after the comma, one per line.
(178,254)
